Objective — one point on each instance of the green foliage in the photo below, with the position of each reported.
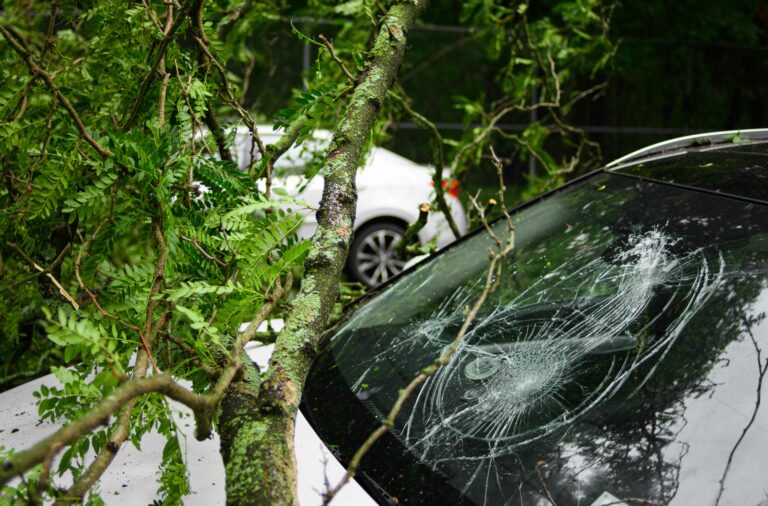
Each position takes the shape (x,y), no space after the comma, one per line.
(546,56)
(122,227)
(101,228)
(174,483)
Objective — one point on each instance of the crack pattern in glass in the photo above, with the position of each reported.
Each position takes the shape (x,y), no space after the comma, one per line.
(512,380)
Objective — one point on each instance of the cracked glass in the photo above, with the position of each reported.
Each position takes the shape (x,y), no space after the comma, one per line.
(620,360)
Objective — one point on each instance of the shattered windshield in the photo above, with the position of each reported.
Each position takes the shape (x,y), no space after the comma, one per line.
(612,330)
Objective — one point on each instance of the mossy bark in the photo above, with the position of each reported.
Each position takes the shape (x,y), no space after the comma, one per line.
(257,418)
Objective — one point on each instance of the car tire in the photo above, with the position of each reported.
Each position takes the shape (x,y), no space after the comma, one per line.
(372,258)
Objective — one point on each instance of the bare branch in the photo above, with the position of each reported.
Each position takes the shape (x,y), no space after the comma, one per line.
(496,262)
(539,464)
(438,159)
(413,229)
(430,370)
(335,57)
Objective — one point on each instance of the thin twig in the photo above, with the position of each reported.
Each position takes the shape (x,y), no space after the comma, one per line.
(335,57)
(19,46)
(56,261)
(544,485)
(84,248)
(438,159)
(166,76)
(152,16)
(202,251)
(157,283)
(64,293)
(502,188)
(51,30)
(413,229)
(232,101)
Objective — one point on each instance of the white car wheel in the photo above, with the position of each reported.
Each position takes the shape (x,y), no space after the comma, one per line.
(372,256)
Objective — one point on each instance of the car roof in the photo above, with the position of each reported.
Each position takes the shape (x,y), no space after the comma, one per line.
(732,163)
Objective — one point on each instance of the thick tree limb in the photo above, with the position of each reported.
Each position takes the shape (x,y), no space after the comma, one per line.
(257,418)
(438,151)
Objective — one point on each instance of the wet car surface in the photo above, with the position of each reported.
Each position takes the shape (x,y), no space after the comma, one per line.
(622,358)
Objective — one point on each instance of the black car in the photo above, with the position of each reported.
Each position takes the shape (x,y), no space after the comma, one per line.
(621,360)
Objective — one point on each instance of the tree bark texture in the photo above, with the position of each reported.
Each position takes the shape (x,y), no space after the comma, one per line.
(257,416)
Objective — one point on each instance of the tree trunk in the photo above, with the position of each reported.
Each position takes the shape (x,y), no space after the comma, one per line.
(257,418)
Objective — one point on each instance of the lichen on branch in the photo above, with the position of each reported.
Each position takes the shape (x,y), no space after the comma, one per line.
(257,418)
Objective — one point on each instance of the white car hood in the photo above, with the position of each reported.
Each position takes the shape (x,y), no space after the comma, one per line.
(131,479)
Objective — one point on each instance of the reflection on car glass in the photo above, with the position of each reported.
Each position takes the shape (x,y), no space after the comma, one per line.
(734,169)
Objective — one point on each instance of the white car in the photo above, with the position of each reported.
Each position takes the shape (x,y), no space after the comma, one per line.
(390,190)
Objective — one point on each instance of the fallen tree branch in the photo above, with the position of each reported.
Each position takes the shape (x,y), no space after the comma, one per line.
(503,247)
(257,417)
(203,406)
(143,357)
(430,370)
